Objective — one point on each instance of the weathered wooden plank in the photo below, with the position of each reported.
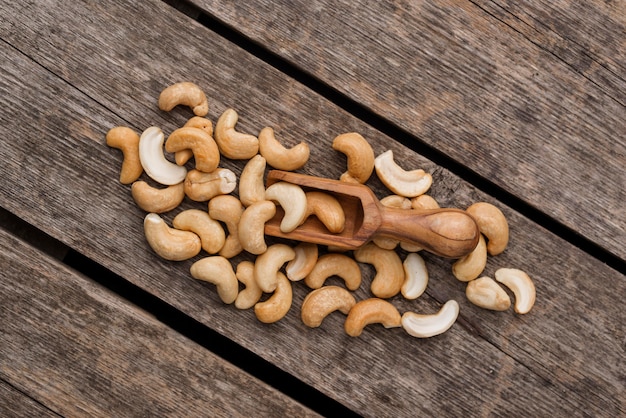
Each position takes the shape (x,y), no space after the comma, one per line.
(15,404)
(82,351)
(527,111)
(502,363)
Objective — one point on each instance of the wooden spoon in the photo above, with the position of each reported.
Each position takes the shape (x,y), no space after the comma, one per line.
(446,232)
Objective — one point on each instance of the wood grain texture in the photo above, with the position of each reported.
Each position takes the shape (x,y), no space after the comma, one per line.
(82,351)
(566,356)
(538,113)
(14,403)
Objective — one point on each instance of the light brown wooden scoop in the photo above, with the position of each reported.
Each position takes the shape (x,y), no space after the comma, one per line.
(446,232)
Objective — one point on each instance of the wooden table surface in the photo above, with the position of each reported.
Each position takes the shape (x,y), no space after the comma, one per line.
(522,105)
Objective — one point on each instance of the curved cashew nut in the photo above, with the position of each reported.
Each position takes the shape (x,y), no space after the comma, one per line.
(327,209)
(228,209)
(334,265)
(126,140)
(371,311)
(277,306)
(424,326)
(493,224)
(211,233)
(522,286)
(404,183)
(156,200)
(424,201)
(470,266)
(153,160)
(218,271)
(415,276)
(199,122)
(487,293)
(359,153)
(389,270)
(232,144)
(184,93)
(280,157)
(304,261)
(169,243)
(251,185)
(201,186)
(201,144)
(392,201)
(292,199)
(252,226)
(252,293)
(269,263)
(321,302)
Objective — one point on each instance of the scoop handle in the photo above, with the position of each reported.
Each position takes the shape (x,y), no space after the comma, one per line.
(446,232)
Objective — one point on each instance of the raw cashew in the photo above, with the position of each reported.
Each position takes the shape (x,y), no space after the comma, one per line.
(156,200)
(200,186)
(269,263)
(218,271)
(424,201)
(491,223)
(334,265)
(389,270)
(277,306)
(487,293)
(199,122)
(232,144)
(211,233)
(184,93)
(251,184)
(327,209)
(320,303)
(153,160)
(280,157)
(359,154)
(201,144)
(252,226)
(228,209)
(126,140)
(292,199)
(404,183)
(424,326)
(371,311)
(522,286)
(469,267)
(392,201)
(415,276)
(169,243)
(252,293)
(304,261)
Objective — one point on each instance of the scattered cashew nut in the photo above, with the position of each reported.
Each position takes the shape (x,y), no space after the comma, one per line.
(320,303)
(211,233)
(252,293)
(292,199)
(493,224)
(232,144)
(199,122)
(304,261)
(424,201)
(252,226)
(126,140)
(153,159)
(415,276)
(424,326)
(522,286)
(228,209)
(218,271)
(169,243)
(152,199)
(269,263)
(389,269)
(487,293)
(404,183)
(277,306)
(201,144)
(333,264)
(359,154)
(371,311)
(327,209)
(251,185)
(184,93)
(470,266)
(280,157)
(200,186)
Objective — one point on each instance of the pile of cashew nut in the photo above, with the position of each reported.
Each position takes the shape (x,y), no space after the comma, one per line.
(231,224)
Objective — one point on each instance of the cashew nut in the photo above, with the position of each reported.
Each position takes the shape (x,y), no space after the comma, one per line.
(392,201)
(487,293)
(126,140)
(251,185)
(415,276)
(292,199)
(153,160)
(199,122)
(228,209)
(252,226)
(200,186)
(169,243)
(522,286)
(327,209)
(211,233)
(252,293)
(424,201)
(201,144)
(184,93)
(156,200)
(491,223)
(280,157)
(424,326)
(469,267)
(269,263)
(304,261)
(404,183)
(334,265)
(320,303)
(233,144)
(371,311)
(359,154)
(389,270)
(218,271)
(277,306)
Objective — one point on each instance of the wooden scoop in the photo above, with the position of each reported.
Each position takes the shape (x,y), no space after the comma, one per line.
(446,232)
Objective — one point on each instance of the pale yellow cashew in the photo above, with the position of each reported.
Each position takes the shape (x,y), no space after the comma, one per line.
(201,144)
(333,264)
(228,209)
(415,276)
(359,154)
(487,293)
(269,263)
(276,155)
(425,326)
(304,261)
(211,233)
(292,199)
(389,270)
(320,303)
(472,265)
(218,271)
(252,226)
(522,286)
(153,159)
(252,293)
(277,306)
(371,311)
(169,243)
(199,122)
(152,199)
(493,224)
(232,144)
(392,201)
(251,184)
(200,186)
(404,183)
(184,93)
(424,201)
(126,140)
(327,209)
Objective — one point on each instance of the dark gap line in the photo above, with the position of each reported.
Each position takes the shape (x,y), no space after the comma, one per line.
(401,135)
(25,394)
